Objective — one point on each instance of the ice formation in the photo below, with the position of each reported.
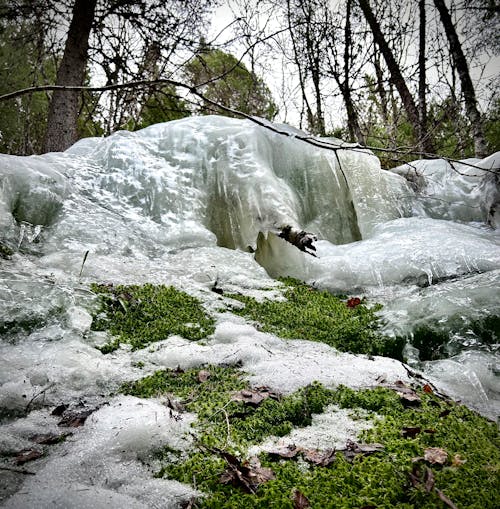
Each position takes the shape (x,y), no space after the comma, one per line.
(200,200)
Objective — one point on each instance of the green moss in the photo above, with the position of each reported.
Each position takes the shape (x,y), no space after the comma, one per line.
(317,315)
(5,251)
(140,315)
(380,480)
(228,424)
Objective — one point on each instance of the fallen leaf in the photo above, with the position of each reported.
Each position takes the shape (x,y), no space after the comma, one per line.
(431,431)
(435,455)
(203,375)
(188,504)
(457,461)
(59,410)
(49,438)
(410,432)
(75,418)
(353,449)
(300,501)
(428,389)
(410,398)
(319,458)
(287,452)
(353,302)
(255,396)
(428,480)
(28,455)
(248,475)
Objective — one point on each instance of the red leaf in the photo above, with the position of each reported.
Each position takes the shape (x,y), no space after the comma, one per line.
(353,302)
(428,389)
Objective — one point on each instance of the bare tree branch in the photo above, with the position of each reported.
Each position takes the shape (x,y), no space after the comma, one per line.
(317,142)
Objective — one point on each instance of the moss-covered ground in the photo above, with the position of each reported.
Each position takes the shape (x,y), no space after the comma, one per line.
(468,478)
(316,315)
(228,424)
(140,315)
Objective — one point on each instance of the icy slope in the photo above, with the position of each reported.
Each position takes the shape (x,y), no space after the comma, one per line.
(200,200)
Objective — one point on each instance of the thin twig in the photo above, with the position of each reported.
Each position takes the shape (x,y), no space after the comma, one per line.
(317,142)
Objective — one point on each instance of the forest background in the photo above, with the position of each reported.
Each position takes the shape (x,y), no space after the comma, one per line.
(410,79)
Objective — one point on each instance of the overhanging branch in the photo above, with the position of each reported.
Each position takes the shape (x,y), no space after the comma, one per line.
(317,142)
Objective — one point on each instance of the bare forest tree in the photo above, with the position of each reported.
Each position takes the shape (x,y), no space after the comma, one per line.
(64,107)
(110,38)
(468,90)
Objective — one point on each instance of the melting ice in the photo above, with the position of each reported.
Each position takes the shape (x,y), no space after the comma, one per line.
(202,199)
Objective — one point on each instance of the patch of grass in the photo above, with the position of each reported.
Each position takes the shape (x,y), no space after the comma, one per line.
(317,315)
(140,315)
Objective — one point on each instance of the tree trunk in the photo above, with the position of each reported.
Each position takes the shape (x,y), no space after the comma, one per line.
(465,79)
(352,116)
(422,104)
(396,76)
(62,123)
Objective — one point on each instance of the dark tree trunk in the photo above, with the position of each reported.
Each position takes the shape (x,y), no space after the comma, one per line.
(465,80)
(352,115)
(422,104)
(396,76)
(63,110)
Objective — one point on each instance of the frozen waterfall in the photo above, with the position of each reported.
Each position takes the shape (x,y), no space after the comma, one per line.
(202,199)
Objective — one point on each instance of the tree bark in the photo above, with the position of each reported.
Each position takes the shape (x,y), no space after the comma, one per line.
(396,76)
(352,116)
(422,104)
(62,123)
(465,79)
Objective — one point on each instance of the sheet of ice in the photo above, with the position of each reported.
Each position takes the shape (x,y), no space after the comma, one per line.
(169,204)
(103,464)
(467,191)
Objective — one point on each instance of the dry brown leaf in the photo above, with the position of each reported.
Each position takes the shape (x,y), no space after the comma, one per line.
(248,475)
(435,455)
(410,432)
(428,480)
(287,452)
(49,438)
(353,449)
(428,389)
(409,398)
(300,501)
(457,461)
(445,499)
(319,458)
(28,455)
(255,396)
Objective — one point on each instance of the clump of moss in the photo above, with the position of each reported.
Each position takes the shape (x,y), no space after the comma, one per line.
(224,422)
(5,251)
(469,478)
(317,315)
(140,315)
